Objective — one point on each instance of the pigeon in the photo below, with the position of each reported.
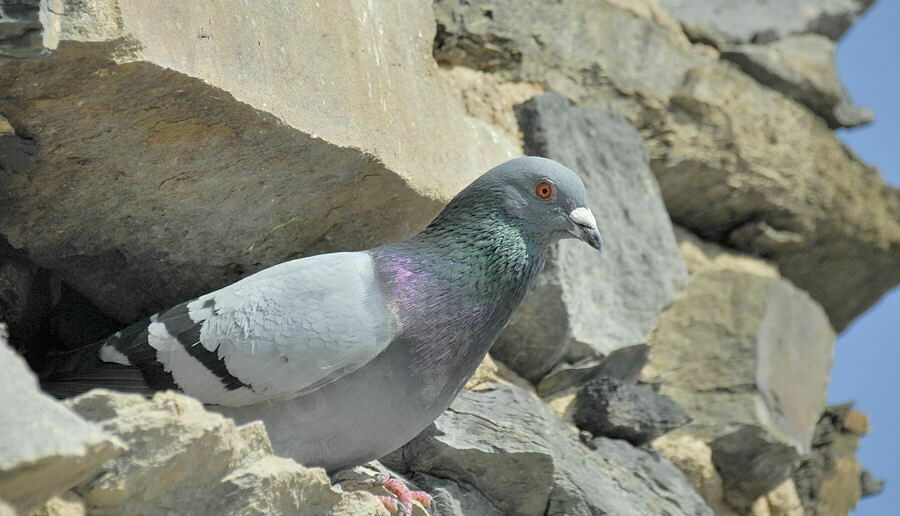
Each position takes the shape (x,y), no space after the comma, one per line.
(347,356)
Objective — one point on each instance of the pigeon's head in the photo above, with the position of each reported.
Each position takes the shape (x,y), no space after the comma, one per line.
(544,196)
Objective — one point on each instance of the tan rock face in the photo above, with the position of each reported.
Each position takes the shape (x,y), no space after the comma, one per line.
(183,459)
(773,179)
(748,355)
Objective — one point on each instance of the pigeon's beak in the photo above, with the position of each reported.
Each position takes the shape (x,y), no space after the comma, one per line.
(585,227)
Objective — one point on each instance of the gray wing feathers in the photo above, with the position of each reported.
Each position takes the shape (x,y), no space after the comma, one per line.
(291,328)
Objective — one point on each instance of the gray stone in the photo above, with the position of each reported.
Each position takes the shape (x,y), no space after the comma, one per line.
(29,28)
(752,462)
(635,413)
(451,498)
(640,270)
(624,364)
(803,68)
(762,21)
(870,485)
(45,448)
(508,445)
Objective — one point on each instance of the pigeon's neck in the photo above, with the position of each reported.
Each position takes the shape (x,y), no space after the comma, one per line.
(486,253)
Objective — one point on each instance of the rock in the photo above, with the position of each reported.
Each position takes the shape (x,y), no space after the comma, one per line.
(870,485)
(44,447)
(623,364)
(737,162)
(67,504)
(520,39)
(803,68)
(7,509)
(856,422)
(455,498)
(640,271)
(174,158)
(781,501)
(741,164)
(518,455)
(186,460)
(752,462)
(29,28)
(634,413)
(831,480)
(694,458)
(748,356)
(762,21)
(26,300)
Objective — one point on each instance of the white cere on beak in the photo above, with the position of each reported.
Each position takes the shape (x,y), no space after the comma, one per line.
(583,216)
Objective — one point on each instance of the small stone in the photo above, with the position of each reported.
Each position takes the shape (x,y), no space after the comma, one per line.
(871,486)
(635,413)
(856,422)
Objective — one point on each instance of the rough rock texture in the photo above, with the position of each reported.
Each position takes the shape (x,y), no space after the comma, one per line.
(29,28)
(762,21)
(533,40)
(737,161)
(640,270)
(741,164)
(212,467)
(803,68)
(634,413)
(624,364)
(44,447)
(831,480)
(218,183)
(752,461)
(748,356)
(509,447)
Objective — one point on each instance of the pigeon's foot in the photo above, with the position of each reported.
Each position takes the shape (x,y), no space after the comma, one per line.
(382,482)
(404,495)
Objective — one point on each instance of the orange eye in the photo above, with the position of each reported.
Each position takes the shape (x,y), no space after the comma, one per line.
(544,190)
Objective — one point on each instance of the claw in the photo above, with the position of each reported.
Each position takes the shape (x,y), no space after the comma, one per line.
(405,495)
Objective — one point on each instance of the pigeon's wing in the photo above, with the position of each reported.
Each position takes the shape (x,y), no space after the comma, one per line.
(277,334)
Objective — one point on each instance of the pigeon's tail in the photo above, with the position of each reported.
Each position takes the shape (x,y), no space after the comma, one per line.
(70,373)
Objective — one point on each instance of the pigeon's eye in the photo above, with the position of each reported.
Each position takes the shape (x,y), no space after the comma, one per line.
(544,190)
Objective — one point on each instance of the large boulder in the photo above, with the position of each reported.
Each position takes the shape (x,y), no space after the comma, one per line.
(508,446)
(584,303)
(761,21)
(741,164)
(737,162)
(175,154)
(748,355)
(45,448)
(803,68)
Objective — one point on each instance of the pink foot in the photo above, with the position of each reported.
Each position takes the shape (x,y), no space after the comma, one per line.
(405,496)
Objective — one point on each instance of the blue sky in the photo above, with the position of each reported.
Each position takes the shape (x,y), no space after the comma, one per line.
(867,356)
